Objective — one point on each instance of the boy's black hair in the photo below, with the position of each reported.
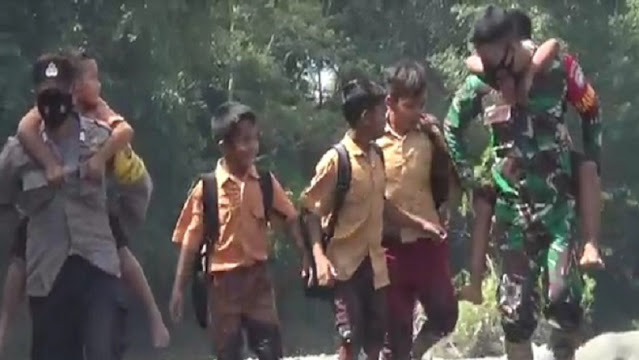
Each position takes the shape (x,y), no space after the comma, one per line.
(522,23)
(407,78)
(358,96)
(493,25)
(226,118)
(77,56)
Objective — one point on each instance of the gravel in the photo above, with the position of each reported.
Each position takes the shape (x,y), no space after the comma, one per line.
(541,353)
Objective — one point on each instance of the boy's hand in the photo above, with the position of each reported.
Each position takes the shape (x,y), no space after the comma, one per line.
(591,257)
(444,215)
(438,233)
(95,167)
(325,271)
(54,174)
(160,336)
(176,305)
(471,293)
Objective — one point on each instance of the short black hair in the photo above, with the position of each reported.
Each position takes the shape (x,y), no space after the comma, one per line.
(407,78)
(359,95)
(53,71)
(493,25)
(521,22)
(226,118)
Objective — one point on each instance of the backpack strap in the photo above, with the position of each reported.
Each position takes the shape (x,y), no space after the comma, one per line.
(210,207)
(266,186)
(341,188)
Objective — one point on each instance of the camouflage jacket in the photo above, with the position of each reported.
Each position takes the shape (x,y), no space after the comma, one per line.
(530,144)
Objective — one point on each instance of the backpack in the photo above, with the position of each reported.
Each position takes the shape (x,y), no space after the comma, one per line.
(314,290)
(443,179)
(199,285)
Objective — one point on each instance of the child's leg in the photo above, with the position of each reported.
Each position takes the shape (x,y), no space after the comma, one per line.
(483,208)
(589,199)
(12,294)
(133,276)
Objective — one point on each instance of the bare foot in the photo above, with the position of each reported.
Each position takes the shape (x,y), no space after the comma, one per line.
(591,257)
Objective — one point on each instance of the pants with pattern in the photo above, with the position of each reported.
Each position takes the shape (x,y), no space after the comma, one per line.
(539,271)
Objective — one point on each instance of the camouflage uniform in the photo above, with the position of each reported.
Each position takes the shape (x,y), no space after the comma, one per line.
(531,171)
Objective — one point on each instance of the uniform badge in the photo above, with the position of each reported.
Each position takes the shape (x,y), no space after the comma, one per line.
(51,70)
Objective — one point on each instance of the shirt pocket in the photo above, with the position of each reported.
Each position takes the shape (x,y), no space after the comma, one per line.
(361,187)
(256,210)
(225,209)
(92,193)
(36,191)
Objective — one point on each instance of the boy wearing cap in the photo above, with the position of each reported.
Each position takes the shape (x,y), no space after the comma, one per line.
(240,290)
(73,269)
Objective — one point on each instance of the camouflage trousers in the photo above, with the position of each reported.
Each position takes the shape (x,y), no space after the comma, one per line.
(539,273)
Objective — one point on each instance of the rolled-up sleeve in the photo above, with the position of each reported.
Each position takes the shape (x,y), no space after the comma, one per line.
(318,196)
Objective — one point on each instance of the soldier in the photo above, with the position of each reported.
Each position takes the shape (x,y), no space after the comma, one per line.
(532,175)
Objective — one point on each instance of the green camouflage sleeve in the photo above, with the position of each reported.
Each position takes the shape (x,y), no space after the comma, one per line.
(463,110)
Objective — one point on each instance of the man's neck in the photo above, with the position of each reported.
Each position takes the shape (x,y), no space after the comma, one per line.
(363,141)
(399,127)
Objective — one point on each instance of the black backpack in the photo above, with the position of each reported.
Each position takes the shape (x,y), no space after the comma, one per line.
(200,283)
(314,290)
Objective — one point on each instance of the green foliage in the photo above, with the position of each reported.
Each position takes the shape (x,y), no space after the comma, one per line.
(478,329)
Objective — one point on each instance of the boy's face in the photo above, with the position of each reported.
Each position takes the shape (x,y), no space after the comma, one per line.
(407,109)
(244,146)
(375,120)
(88,86)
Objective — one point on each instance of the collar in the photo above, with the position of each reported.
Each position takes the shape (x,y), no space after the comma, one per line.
(351,146)
(223,175)
(388,129)
(82,127)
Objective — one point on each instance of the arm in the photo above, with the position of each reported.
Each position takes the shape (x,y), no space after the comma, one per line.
(189,234)
(317,201)
(119,141)
(29,135)
(283,207)
(405,219)
(121,136)
(582,96)
(466,105)
(544,56)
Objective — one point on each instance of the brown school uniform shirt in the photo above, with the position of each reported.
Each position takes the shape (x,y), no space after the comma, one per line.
(408,161)
(243,228)
(358,230)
